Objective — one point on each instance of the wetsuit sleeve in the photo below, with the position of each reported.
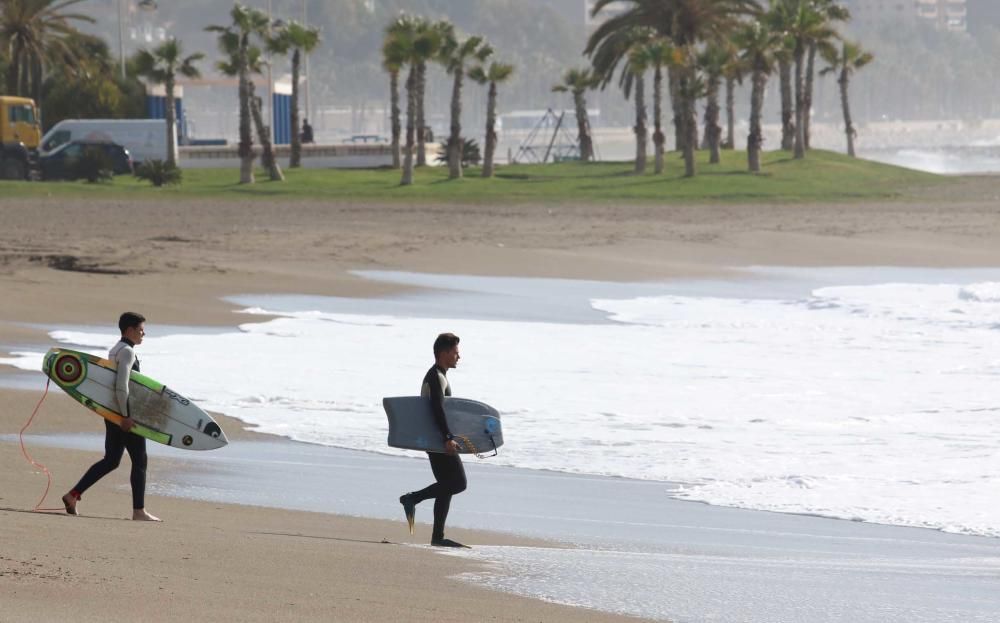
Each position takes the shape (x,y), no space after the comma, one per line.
(432,385)
(126,359)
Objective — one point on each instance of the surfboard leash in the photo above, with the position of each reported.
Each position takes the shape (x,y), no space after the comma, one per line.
(24,451)
(471,447)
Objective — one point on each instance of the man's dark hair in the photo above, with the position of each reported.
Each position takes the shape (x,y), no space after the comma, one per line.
(129,320)
(445,341)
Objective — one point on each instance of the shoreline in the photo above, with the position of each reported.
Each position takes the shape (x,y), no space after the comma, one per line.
(742,553)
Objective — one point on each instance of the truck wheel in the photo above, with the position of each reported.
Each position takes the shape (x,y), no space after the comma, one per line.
(13,170)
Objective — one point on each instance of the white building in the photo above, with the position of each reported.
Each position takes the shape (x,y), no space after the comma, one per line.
(944,14)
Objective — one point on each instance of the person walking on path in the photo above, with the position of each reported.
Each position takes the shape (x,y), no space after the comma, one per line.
(449,474)
(117,438)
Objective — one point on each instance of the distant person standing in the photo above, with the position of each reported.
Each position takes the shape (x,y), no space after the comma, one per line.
(117,438)
(307,132)
(449,474)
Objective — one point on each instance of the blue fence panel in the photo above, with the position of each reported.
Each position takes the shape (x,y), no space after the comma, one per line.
(156,108)
(282,105)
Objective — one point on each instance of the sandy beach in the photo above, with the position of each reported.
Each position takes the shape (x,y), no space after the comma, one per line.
(83,262)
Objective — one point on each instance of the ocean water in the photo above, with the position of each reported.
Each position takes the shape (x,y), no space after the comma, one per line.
(866,395)
(974,158)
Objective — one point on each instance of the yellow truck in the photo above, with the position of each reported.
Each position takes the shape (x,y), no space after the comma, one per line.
(20,134)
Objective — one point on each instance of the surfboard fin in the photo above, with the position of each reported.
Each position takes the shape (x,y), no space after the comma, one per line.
(409,509)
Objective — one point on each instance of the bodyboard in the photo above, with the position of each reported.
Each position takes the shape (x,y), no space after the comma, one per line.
(476,425)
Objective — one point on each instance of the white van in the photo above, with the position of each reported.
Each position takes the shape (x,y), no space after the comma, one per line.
(146,139)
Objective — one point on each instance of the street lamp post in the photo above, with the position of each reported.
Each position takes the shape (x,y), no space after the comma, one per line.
(145,5)
(121,35)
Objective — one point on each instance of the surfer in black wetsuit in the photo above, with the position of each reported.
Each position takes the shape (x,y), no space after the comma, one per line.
(449,474)
(117,438)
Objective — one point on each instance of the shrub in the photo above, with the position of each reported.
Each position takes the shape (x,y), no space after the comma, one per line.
(470,153)
(93,165)
(158,172)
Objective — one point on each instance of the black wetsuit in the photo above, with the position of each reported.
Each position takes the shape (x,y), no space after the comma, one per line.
(116,440)
(448,470)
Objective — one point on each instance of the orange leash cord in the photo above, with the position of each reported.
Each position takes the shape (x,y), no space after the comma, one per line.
(24,451)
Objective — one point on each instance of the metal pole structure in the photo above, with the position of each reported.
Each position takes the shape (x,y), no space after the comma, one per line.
(270,78)
(121,35)
(305,24)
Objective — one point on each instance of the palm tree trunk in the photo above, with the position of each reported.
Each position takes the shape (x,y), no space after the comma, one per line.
(411,109)
(800,143)
(688,123)
(455,138)
(296,158)
(730,113)
(267,154)
(246,137)
(808,97)
(491,134)
(677,108)
(641,127)
(583,127)
(658,138)
(846,104)
(756,138)
(421,88)
(13,78)
(171,124)
(713,133)
(396,126)
(787,108)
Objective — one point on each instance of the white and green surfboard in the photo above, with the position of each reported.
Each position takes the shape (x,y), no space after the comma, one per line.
(161,414)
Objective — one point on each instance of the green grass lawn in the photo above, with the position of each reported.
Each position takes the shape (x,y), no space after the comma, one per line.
(822,176)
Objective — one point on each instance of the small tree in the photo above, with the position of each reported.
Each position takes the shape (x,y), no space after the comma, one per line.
(234,42)
(844,62)
(161,66)
(577,82)
(454,54)
(299,39)
(495,74)
(158,173)
(93,165)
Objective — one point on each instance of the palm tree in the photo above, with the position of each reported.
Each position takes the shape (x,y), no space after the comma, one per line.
(37,35)
(432,36)
(831,12)
(844,62)
(495,74)
(802,25)
(234,42)
(162,66)
(625,46)
(634,75)
(578,82)
(255,62)
(760,46)
(779,19)
(454,55)
(657,53)
(733,74)
(686,23)
(414,42)
(713,60)
(300,40)
(393,60)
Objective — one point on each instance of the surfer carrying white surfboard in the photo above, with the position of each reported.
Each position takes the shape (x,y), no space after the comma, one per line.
(117,438)
(449,474)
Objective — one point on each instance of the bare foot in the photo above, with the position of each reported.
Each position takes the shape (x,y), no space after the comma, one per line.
(70,503)
(140,514)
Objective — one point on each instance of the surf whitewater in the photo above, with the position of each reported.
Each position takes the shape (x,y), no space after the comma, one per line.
(873,402)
